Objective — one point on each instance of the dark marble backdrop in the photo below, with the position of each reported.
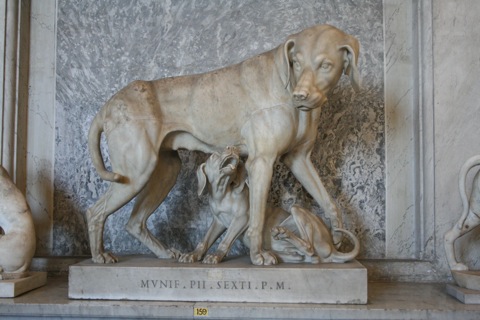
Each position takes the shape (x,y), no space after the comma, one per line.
(103,45)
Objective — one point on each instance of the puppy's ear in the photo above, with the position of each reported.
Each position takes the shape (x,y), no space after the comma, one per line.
(202,179)
(240,178)
(283,62)
(351,51)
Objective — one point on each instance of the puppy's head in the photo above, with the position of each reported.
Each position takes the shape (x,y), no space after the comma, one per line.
(219,170)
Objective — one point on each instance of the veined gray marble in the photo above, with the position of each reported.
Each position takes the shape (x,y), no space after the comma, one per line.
(103,45)
(456,116)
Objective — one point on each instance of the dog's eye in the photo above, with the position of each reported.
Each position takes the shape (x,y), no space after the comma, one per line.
(326,66)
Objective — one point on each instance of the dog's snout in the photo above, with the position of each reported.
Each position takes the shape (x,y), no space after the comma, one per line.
(300,95)
(231,149)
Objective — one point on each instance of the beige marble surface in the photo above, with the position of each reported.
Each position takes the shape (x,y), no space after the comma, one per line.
(386,301)
(15,287)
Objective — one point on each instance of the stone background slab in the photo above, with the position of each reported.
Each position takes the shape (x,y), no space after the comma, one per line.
(103,45)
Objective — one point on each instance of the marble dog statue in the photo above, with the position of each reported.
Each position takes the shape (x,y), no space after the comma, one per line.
(17,243)
(470,218)
(297,237)
(268,106)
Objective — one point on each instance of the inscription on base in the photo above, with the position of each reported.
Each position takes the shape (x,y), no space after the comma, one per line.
(212,285)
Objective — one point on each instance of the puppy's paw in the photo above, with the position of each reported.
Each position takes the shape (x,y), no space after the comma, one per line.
(190,257)
(174,253)
(337,238)
(213,258)
(104,258)
(279,233)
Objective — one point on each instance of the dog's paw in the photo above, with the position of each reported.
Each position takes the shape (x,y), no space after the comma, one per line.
(337,238)
(214,258)
(279,233)
(264,258)
(174,253)
(190,257)
(104,258)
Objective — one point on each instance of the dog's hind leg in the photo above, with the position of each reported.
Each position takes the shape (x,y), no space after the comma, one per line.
(135,158)
(116,197)
(151,196)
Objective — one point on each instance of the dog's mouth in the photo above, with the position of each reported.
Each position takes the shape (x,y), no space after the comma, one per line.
(229,163)
(309,106)
(313,102)
(306,108)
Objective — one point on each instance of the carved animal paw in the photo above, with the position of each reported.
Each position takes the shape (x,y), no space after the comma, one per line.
(190,257)
(279,233)
(315,259)
(105,257)
(265,258)
(213,258)
(337,238)
(174,253)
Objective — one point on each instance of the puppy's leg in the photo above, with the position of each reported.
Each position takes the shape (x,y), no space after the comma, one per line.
(215,230)
(303,243)
(159,185)
(236,228)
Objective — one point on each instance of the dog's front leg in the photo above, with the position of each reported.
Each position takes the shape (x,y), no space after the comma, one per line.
(260,170)
(303,169)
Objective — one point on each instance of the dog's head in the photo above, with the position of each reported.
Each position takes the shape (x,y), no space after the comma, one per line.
(311,63)
(220,170)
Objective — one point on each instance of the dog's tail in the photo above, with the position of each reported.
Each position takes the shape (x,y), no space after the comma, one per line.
(347,256)
(94,135)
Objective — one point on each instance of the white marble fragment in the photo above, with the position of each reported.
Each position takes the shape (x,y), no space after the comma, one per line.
(17,243)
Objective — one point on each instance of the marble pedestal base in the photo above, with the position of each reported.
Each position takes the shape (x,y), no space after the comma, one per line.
(235,280)
(468,289)
(15,287)
(467,296)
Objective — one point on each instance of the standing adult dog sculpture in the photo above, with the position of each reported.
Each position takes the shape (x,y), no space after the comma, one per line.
(267,106)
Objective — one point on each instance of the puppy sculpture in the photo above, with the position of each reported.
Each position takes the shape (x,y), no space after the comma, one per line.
(17,243)
(268,106)
(225,183)
(297,237)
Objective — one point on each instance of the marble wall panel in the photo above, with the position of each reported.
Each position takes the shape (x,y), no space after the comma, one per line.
(103,45)
(455,43)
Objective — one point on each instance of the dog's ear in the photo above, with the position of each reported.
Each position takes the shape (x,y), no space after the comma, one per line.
(202,179)
(351,51)
(283,62)
(240,179)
